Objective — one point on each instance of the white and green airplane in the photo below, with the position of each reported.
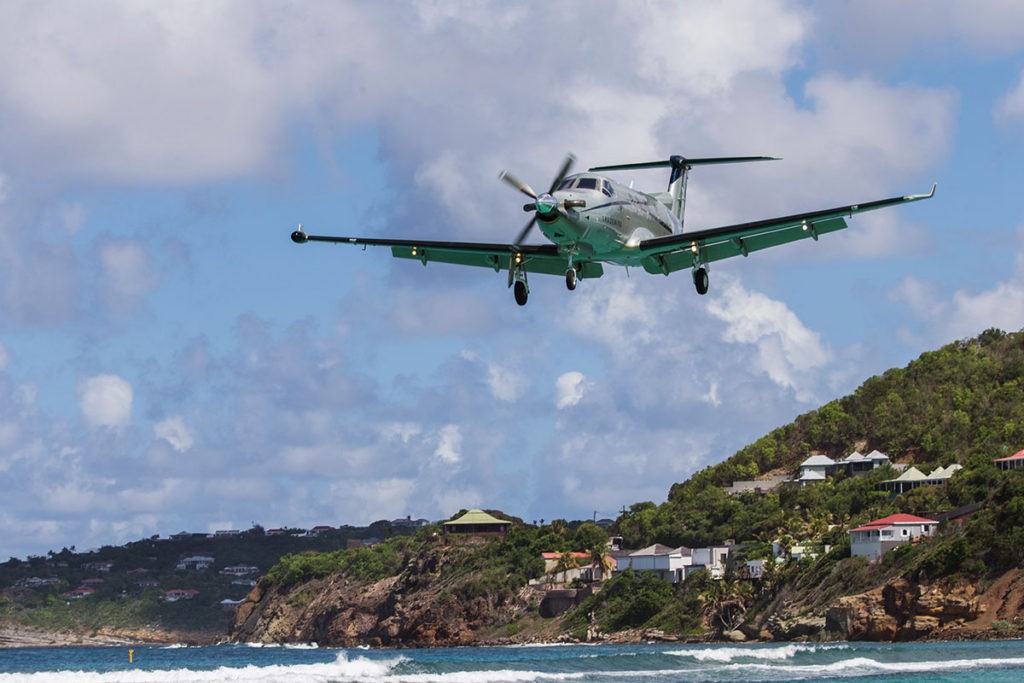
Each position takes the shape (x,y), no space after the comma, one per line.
(591,220)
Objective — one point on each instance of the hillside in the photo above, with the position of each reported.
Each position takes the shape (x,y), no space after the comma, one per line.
(120,593)
(959,404)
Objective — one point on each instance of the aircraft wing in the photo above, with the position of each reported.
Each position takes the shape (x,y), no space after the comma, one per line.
(540,258)
(676,252)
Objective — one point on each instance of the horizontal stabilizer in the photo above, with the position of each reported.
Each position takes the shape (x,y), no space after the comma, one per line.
(677,161)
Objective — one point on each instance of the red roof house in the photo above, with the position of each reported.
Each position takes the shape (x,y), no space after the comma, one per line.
(874,539)
(1013,462)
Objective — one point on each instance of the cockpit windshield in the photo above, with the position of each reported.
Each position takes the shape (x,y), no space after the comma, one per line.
(587,184)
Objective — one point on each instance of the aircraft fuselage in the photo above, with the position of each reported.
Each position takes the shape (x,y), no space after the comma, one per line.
(604,220)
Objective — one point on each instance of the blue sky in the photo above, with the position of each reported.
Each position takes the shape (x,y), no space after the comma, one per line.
(169,360)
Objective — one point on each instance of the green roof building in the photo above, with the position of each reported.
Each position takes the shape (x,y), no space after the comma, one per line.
(477,523)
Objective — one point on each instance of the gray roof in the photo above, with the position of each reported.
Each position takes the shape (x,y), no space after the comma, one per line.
(817,460)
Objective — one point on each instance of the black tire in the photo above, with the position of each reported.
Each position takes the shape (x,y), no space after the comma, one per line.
(700,280)
(521,292)
(570,279)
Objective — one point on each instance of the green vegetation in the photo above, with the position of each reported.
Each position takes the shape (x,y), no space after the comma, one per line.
(34,591)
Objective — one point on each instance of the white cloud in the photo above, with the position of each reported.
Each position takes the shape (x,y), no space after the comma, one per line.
(570,389)
(105,401)
(174,431)
(699,48)
(962,314)
(786,349)
(506,383)
(449,445)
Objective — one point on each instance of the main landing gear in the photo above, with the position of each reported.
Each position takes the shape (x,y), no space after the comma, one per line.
(521,292)
(700,280)
(570,279)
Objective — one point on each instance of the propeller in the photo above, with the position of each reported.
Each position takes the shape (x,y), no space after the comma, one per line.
(543,204)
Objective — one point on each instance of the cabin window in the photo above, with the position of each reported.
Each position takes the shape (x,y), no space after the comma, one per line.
(566,184)
(587,184)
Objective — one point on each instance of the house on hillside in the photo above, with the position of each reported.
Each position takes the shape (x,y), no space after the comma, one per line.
(586,569)
(758,486)
(675,564)
(1013,462)
(240,570)
(819,467)
(816,468)
(409,523)
(714,559)
(176,594)
(476,523)
(669,564)
(874,539)
(913,477)
(195,563)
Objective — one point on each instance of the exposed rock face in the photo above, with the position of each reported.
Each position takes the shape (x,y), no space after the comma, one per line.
(413,609)
(901,610)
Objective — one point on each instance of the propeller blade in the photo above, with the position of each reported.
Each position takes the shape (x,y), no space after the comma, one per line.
(526,231)
(566,165)
(518,184)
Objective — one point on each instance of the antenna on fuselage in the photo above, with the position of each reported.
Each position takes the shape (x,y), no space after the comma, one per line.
(680,166)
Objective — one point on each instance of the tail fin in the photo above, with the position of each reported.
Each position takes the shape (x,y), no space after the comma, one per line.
(680,166)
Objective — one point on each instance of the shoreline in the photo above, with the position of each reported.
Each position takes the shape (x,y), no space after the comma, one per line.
(18,635)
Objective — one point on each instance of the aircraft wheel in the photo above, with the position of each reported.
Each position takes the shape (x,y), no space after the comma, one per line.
(570,279)
(700,280)
(521,292)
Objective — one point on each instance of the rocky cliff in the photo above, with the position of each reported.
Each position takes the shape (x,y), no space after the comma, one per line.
(901,610)
(426,605)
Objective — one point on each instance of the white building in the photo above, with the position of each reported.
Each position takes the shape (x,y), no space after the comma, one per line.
(675,564)
(876,538)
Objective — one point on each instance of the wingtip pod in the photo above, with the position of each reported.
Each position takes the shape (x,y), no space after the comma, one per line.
(299,236)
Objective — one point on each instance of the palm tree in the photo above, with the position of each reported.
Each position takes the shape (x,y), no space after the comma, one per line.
(601,560)
(566,560)
(726,603)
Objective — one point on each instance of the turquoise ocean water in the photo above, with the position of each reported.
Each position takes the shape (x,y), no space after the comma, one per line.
(991,662)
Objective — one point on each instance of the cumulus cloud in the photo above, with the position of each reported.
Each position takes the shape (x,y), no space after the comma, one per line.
(105,401)
(507,384)
(174,431)
(962,313)
(570,388)
(786,349)
(449,445)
